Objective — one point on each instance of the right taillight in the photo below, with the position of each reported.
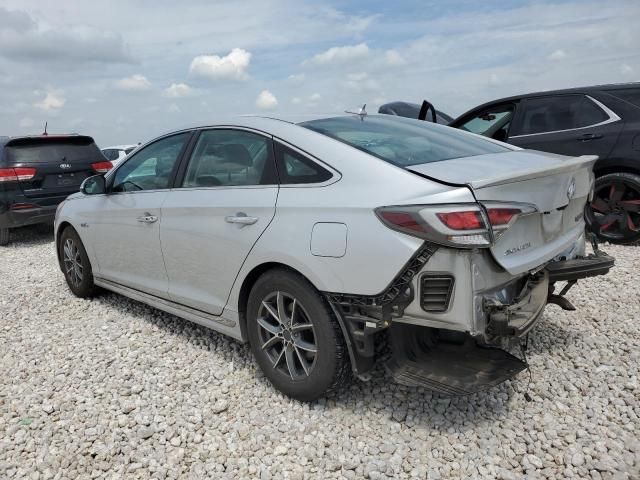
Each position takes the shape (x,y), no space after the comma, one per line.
(461,225)
(17,174)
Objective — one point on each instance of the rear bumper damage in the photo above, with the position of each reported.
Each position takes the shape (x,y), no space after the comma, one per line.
(448,361)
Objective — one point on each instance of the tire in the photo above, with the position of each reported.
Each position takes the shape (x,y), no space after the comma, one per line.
(616,207)
(75,264)
(4,236)
(285,354)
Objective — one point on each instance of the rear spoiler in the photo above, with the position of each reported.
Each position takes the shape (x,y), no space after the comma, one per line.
(48,139)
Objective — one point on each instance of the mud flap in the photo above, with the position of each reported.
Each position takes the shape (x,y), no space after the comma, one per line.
(448,364)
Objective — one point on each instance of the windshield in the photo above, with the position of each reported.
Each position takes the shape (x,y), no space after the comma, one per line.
(403,142)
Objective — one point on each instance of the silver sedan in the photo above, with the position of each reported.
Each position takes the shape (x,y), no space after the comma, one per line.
(321,242)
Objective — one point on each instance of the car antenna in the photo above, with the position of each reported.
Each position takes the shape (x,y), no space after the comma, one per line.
(361,113)
(45,129)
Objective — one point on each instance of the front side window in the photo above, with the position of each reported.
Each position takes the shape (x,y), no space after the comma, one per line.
(493,122)
(556,113)
(230,158)
(152,167)
(404,142)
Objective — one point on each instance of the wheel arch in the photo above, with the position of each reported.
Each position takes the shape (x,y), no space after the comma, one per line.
(616,168)
(58,233)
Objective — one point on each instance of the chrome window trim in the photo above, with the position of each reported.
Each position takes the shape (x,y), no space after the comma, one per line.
(613,117)
(335,174)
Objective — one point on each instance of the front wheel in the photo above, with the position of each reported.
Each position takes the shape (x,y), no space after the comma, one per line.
(616,207)
(294,336)
(75,264)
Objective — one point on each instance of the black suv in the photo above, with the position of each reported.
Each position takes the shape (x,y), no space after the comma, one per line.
(39,172)
(601,120)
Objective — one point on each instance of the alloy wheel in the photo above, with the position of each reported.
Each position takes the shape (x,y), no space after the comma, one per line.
(287,335)
(616,206)
(72,262)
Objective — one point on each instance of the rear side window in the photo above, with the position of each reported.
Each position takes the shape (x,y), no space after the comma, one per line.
(294,168)
(631,95)
(403,142)
(53,149)
(566,112)
(230,158)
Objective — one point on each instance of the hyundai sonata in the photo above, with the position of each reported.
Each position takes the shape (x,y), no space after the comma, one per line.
(320,242)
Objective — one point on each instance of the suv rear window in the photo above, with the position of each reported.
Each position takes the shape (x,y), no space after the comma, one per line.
(53,149)
(631,95)
(403,142)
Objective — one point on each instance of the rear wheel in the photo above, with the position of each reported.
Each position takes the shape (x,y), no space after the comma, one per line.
(4,236)
(75,264)
(294,336)
(616,207)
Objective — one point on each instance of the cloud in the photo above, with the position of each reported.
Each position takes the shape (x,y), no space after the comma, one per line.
(266,100)
(25,122)
(296,78)
(296,100)
(361,81)
(177,90)
(625,69)
(173,108)
(393,58)
(24,40)
(134,83)
(52,101)
(340,55)
(232,66)
(315,97)
(557,55)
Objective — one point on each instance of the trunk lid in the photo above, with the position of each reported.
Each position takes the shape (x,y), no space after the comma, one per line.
(558,187)
(61,162)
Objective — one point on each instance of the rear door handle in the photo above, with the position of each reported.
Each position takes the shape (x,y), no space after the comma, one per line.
(589,136)
(147,218)
(241,218)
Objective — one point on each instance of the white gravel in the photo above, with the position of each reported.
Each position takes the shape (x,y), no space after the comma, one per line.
(111,388)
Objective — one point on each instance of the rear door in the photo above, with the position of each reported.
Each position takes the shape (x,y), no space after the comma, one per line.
(124,224)
(225,200)
(61,163)
(571,124)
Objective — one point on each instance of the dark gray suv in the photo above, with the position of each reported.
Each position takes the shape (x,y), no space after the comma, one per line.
(39,172)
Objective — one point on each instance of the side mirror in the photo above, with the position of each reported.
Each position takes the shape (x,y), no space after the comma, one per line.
(94,185)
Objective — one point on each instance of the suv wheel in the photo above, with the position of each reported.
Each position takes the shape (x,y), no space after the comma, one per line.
(616,206)
(75,264)
(4,236)
(294,336)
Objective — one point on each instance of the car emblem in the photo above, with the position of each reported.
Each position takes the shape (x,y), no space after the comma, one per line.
(571,190)
(65,166)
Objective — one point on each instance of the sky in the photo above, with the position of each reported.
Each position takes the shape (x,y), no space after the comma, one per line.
(125,71)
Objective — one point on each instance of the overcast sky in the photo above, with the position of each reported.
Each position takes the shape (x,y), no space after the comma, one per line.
(126,71)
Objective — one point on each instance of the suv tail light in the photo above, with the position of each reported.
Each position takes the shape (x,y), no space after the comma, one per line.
(102,167)
(17,174)
(460,225)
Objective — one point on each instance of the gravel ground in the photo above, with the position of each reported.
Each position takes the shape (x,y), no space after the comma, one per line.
(112,388)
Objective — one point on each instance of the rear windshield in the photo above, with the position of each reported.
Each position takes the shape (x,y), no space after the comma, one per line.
(403,142)
(52,149)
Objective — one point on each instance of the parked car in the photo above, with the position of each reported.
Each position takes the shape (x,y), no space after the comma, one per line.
(38,172)
(601,120)
(312,240)
(117,153)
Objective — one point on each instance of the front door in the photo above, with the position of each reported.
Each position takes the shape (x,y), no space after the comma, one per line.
(125,222)
(573,124)
(212,220)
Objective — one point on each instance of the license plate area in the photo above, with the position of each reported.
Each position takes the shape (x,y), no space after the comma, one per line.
(62,180)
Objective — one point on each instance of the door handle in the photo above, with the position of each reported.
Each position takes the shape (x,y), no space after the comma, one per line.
(589,136)
(147,218)
(241,218)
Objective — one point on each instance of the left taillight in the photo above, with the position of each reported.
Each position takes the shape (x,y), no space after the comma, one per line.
(17,174)
(102,167)
(461,225)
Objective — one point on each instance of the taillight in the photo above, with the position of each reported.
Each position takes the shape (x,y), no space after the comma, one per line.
(102,167)
(17,174)
(461,225)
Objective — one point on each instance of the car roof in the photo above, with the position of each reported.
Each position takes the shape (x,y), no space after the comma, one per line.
(120,147)
(544,93)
